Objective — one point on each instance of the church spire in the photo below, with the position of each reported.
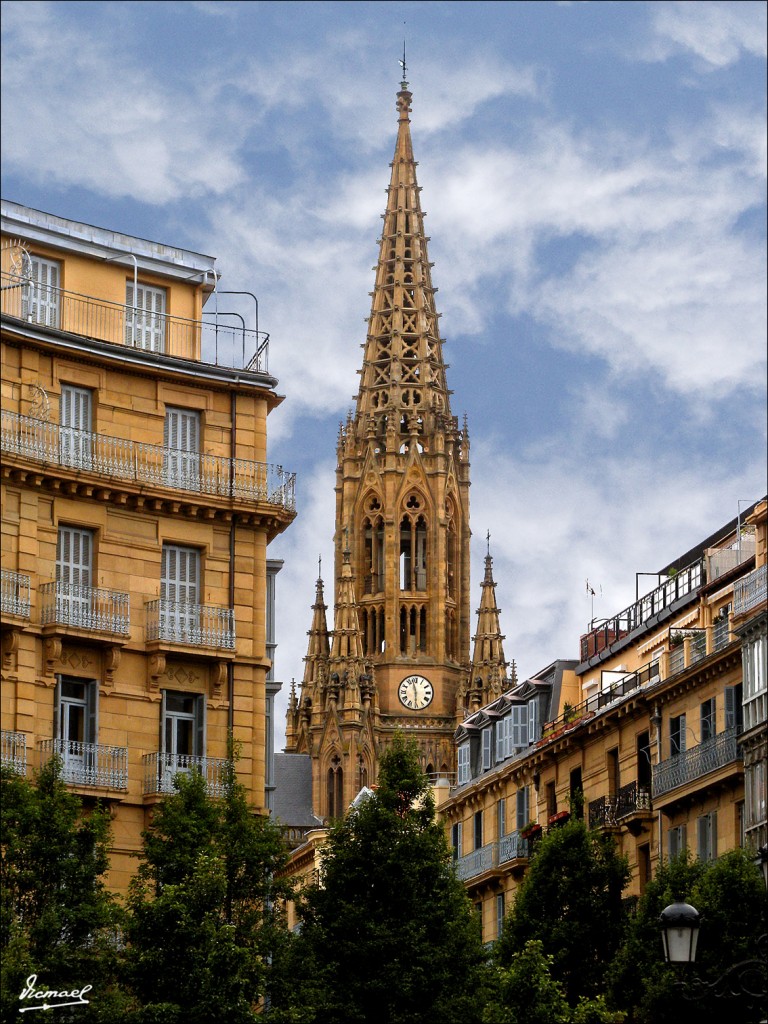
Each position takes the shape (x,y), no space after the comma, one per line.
(318,648)
(403,376)
(488,671)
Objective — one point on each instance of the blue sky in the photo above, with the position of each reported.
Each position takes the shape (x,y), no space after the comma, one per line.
(594,176)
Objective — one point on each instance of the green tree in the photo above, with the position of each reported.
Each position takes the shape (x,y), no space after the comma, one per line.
(203,907)
(388,933)
(730,895)
(57,919)
(571,901)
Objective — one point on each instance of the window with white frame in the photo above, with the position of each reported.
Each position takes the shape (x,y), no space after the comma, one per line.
(181,448)
(40,301)
(755,795)
(519,725)
(145,317)
(754,655)
(706,836)
(183,733)
(179,593)
(533,721)
(504,738)
(463,772)
(74,573)
(76,704)
(487,735)
(75,425)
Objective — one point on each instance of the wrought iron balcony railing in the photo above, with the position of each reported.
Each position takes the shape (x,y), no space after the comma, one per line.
(750,591)
(513,846)
(198,625)
(140,463)
(13,751)
(89,764)
(14,593)
(90,608)
(608,811)
(691,765)
(212,341)
(161,769)
(475,863)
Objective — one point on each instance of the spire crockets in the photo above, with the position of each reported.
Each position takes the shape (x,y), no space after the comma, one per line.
(318,649)
(488,677)
(403,375)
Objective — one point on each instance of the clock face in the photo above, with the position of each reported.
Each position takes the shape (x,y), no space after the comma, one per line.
(415,692)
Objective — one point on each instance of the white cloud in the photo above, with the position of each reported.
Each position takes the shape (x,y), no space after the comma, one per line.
(718,34)
(78,111)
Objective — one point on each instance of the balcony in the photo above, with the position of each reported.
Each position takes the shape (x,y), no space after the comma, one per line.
(89,764)
(687,767)
(92,609)
(211,341)
(510,848)
(161,769)
(193,625)
(750,591)
(146,464)
(14,593)
(478,862)
(613,811)
(13,751)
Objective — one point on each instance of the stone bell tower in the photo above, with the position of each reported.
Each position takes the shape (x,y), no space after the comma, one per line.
(397,656)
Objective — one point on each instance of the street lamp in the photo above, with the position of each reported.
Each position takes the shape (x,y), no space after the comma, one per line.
(680,932)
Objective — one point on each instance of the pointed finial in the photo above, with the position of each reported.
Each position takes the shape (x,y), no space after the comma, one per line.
(319,567)
(488,542)
(404,83)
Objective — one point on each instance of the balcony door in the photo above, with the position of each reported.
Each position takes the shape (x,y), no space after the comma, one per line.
(77,709)
(145,317)
(183,727)
(181,449)
(74,573)
(75,429)
(180,594)
(40,303)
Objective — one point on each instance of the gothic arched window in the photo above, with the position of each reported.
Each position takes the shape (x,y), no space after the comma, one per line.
(335,791)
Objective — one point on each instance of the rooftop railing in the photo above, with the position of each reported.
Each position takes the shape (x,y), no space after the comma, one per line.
(161,769)
(89,764)
(141,463)
(13,751)
(210,341)
(750,591)
(95,609)
(685,582)
(14,593)
(197,625)
(691,765)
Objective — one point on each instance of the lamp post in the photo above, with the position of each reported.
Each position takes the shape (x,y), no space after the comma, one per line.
(745,981)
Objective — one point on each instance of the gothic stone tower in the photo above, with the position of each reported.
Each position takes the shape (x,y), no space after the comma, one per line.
(398,654)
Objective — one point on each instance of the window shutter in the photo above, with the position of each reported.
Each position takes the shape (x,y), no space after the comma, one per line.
(702,836)
(165,744)
(92,693)
(533,721)
(200,726)
(57,709)
(41,302)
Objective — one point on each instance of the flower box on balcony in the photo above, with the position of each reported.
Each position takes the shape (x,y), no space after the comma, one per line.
(555,820)
(532,831)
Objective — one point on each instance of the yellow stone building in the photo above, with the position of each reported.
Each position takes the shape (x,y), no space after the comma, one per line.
(649,735)
(396,655)
(137,507)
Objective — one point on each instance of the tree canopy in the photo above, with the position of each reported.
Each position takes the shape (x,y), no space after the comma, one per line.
(388,933)
(571,902)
